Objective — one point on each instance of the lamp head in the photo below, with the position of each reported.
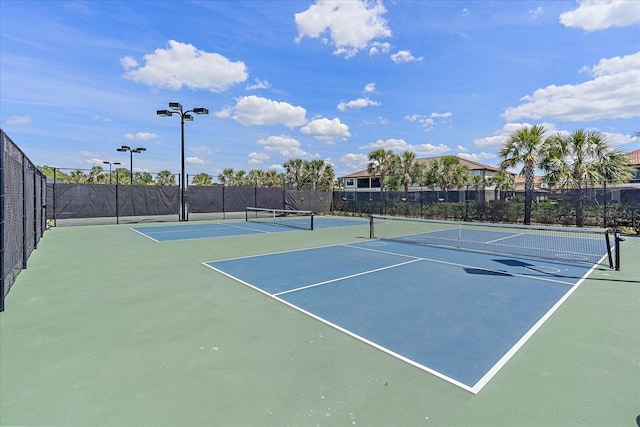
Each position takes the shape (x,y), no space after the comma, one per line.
(124,148)
(164,113)
(200,110)
(188,118)
(139,150)
(175,106)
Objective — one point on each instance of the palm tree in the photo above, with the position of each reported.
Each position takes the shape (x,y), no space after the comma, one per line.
(447,173)
(226,176)
(77,177)
(122,175)
(202,179)
(525,146)
(407,170)
(239,178)
(327,178)
(501,180)
(96,175)
(381,164)
(318,174)
(476,181)
(294,172)
(142,178)
(580,159)
(273,179)
(165,177)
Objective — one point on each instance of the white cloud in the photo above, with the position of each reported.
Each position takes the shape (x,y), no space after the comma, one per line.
(326,130)
(370,87)
(254,110)
(501,135)
(602,14)
(400,145)
(478,157)
(224,113)
(404,56)
(284,146)
(128,63)
(200,149)
(357,104)
(354,161)
(351,25)
(378,47)
(537,12)
(181,64)
(141,136)
(195,161)
(18,120)
(611,94)
(429,122)
(259,84)
(258,158)
(98,118)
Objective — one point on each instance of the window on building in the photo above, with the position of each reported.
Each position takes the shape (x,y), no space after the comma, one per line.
(375,182)
(363,182)
(349,182)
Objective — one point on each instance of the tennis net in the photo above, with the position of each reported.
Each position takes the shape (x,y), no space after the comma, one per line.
(285,217)
(579,245)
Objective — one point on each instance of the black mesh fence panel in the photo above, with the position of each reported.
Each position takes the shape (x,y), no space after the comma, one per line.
(318,201)
(21,204)
(272,198)
(236,199)
(205,199)
(142,200)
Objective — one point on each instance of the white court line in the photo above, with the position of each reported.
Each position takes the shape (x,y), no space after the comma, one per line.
(504,238)
(514,349)
(477,387)
(544,279)
(143,234)
(351,334)
(346,277)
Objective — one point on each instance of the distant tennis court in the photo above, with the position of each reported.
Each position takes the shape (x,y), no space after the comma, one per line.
(258,224)
(458,314)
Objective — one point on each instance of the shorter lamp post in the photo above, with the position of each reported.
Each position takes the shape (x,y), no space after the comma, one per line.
(184,117)
(125,148)
(111,163)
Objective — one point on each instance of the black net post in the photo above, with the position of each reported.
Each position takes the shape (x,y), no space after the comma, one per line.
(618,238)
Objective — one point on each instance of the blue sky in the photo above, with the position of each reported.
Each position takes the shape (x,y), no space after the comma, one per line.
(304,79)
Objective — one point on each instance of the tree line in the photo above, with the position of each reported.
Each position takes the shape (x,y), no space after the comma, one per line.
(313,175)
(568,160)
(574,160)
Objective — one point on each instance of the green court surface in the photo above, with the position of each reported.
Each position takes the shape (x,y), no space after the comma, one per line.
(107,327)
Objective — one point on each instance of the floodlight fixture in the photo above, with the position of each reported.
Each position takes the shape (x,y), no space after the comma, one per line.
(131,151)
(184,117)
(111,163)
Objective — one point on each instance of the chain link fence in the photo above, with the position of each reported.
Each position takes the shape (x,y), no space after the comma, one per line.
(22,204)
(611,204)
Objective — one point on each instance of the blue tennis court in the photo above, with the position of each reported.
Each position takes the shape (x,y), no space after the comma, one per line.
(191,231)
(456,314)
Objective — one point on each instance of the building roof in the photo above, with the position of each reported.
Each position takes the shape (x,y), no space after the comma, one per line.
(469,164)
(634,157)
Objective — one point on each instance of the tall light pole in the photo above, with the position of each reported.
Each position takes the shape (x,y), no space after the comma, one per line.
(131,151)
(184,117)
(111,163)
